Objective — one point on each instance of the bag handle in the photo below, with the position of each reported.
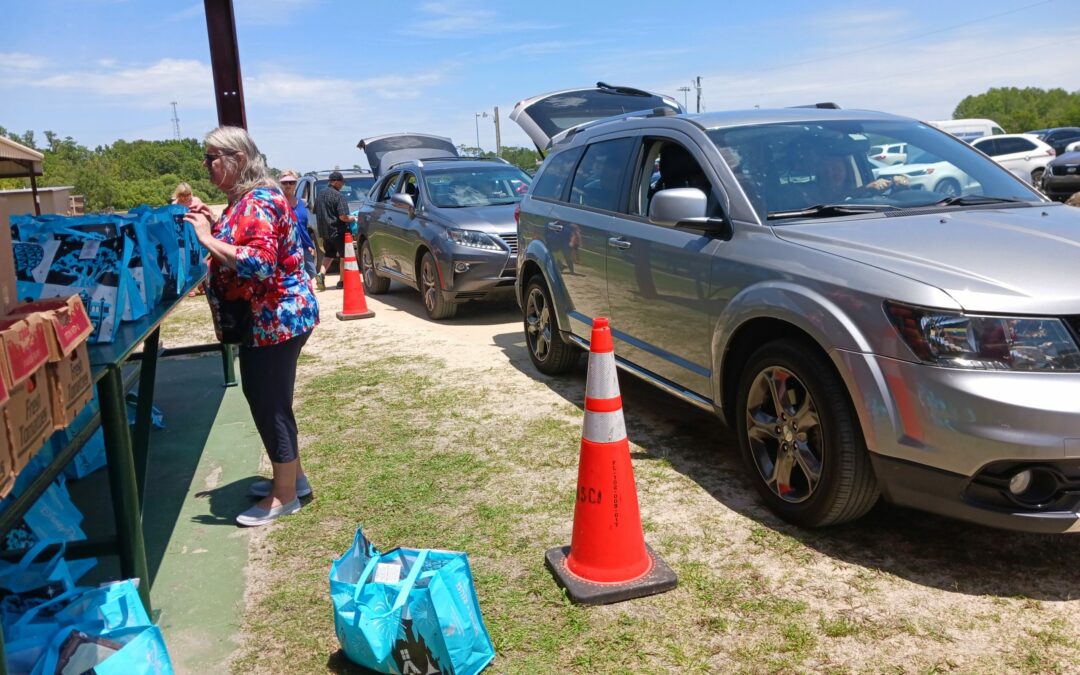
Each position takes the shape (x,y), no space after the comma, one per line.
(33,553)
(28,615)
(406,586)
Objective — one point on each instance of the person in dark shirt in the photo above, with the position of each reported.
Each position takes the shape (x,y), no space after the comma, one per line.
(332,218)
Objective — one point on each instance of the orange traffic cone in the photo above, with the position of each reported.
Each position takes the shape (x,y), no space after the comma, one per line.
(607,560)
(355,304)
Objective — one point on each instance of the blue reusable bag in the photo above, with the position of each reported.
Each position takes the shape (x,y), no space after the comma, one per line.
(408,610)
(136,650)
(33,580)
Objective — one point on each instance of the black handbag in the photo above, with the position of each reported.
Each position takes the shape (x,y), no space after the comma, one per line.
(236,321)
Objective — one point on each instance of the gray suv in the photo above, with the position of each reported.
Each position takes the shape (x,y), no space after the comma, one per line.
(865,335)
(439,223)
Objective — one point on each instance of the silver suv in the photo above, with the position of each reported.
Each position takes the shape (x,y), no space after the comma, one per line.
(865,335)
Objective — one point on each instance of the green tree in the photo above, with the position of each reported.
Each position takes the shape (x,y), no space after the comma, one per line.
(1018,110)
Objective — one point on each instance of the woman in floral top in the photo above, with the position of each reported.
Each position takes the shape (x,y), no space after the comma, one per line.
(261,298)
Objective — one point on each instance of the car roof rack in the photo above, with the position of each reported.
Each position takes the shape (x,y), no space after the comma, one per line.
(420,162)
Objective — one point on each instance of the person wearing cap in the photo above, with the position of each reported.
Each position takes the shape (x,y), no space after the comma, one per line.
(288,182)
(332,218)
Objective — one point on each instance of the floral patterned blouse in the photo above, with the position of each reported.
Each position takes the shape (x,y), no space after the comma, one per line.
(269,268)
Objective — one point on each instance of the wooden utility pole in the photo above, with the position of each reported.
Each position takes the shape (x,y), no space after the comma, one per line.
(498,134)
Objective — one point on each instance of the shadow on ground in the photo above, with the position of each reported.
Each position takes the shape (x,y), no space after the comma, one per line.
(929,550)
(474,313)
(189,390)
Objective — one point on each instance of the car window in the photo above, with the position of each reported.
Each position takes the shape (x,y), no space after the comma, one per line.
(411,187)
(987,145)
(800,165)
(598,181)
(459,187)
(555,174)
(996,131)
(1011,145)
(389,187)
(355,189)
(663,165)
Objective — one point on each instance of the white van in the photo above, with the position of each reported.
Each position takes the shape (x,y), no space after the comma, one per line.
(969,129)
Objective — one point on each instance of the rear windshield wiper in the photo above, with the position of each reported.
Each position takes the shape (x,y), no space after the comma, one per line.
(977,200)
(829,210)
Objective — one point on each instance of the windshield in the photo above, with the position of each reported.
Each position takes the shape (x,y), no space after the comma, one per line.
(485,186)
(354,189)
(787,169)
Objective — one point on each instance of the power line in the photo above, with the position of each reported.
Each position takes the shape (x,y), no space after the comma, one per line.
(877,47)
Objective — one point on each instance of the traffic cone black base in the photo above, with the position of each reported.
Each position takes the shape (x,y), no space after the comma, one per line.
(657,579)
(363,315)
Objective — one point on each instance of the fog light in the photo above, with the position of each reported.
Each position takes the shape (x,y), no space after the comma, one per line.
(461,267)
(1020,482)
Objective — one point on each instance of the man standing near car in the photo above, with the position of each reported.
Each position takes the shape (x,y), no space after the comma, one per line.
(332,218)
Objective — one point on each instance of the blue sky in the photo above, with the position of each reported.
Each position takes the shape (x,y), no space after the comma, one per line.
(318,75)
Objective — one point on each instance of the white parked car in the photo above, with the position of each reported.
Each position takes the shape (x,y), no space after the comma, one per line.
(1073,147)
(1023,154)
(926,171)
(890,153)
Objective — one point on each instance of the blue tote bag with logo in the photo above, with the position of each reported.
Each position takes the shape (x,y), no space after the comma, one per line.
(408,610)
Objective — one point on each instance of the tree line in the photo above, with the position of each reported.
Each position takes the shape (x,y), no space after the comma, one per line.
(1019,110)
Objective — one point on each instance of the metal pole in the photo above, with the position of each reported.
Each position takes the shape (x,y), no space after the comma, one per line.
(697,85)
(476,118)
(684,91)
(498,135)
(34,192)
(225,62)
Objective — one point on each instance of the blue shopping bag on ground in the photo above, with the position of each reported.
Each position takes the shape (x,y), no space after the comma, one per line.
(34,580)
(408,610)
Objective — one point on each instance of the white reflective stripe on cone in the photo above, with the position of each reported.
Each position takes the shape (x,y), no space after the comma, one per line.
(601,381)
(604,427)
(349,251)
(350,266)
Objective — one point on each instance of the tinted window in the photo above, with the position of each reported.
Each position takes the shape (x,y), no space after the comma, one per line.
(389,187)
(411,188)
(1010,145)
(555,174)
(598,181)
(989,146)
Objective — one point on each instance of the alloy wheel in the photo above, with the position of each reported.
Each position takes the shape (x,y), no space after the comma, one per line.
(429,285)
(784,432)
(538,324)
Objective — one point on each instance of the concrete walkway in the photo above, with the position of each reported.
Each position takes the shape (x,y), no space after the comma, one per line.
(199,471)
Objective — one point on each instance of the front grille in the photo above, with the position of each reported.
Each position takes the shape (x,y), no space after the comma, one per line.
(1065,170)
(511,242)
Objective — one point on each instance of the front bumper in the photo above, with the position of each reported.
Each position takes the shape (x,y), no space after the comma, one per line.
(1060,187)
(487,274)
(946,440)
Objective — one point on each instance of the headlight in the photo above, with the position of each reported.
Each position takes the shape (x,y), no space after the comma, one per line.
(985,342)
(473,239)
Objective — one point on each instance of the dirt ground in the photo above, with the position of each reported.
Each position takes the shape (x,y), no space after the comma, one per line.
(904,591)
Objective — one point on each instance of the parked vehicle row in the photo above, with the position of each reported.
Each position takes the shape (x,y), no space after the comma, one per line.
(878,308)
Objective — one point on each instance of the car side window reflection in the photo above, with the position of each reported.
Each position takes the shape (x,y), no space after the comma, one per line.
(598,181)
(389,188)
(411,187)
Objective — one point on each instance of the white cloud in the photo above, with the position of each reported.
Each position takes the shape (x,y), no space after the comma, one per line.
(143,86)
(12,63)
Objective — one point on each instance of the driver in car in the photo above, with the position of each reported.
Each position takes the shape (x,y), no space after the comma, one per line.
(835,183)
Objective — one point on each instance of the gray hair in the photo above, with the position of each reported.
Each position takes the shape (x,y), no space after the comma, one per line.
(251,172)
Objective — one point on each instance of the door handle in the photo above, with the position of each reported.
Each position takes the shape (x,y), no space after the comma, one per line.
(555,227)
(619,243)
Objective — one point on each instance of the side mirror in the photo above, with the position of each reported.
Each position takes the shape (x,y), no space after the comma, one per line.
(402,200)
(686,208)
(670,206)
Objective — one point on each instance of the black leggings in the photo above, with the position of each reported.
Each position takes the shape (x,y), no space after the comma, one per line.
(268,376)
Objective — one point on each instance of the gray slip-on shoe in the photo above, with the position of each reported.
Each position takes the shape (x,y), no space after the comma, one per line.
(261,488)
(256,516)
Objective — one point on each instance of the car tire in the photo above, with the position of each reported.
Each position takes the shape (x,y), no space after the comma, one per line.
(949,187)
(549,352)
(806,455)
(1036,176)
(435,302)
(373,283)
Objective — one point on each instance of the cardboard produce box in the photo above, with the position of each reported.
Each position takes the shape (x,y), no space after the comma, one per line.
(67,327)
(7,459)
(28,419)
